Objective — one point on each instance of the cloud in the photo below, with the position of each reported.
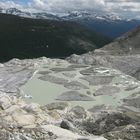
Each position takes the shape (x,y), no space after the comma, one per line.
(61,5)
(9,4)
(126,8)
(120,7)
(127,5)
(124,5)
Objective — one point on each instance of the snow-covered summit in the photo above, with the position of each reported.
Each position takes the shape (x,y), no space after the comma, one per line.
(69,15)
(77,15)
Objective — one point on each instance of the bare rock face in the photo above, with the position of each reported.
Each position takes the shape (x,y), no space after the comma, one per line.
(137,74)
(5,102)
(133,100)
(107,123)
(129,132)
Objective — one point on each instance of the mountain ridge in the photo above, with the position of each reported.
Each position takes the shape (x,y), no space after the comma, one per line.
(108,24)
(129,43)
(62,16)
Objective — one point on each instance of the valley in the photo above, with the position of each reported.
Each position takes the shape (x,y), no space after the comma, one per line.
(93,93)
(32,38)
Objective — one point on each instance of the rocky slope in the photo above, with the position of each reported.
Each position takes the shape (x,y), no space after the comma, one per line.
(125,45)
(61,120)
(108,82)
(22,121)
(129,64)
(122,54)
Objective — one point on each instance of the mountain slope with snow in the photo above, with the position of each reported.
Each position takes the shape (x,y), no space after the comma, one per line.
(108,24)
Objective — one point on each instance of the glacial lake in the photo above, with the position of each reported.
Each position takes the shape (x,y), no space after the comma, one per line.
(46,91)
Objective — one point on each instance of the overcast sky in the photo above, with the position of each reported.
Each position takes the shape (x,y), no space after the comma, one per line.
(127,8)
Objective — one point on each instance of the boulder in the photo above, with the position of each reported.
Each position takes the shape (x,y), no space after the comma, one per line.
(33,108)
(63,134)
(54,114)
(14,108)
(66,125)
(24,119)
(78,112)
(5,102)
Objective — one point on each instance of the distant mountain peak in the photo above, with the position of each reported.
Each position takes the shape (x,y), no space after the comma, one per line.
(108,24)
(70,15)
(13,10)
